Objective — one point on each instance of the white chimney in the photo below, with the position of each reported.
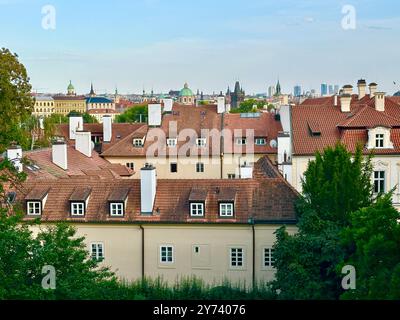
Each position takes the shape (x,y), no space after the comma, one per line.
(107,128)
(246,172)
(14,155)
(168,103)
(59,153)
(75,123)
(154,112)
(345,100)
(220,104)
(380,101)
(228,107)
(148,187)
(83,142)
(335,100)
(362,88)
(348,89)
(372,89)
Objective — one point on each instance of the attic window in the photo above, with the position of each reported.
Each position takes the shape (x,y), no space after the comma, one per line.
(314,128)
(34,208)
(79,201)
(171,142)
(35,201)
(138,143)
(201,142)
(117,202)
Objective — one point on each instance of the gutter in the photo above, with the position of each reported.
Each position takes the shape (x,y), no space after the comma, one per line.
(141,227)
(251,221)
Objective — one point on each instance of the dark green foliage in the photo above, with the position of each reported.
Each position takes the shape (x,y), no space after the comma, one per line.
(373,243)
(16,102)
(87,118)
(248,106)
(335,184)
(133,114)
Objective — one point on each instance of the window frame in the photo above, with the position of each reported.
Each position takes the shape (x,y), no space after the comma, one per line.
(196,204)
(176,167)
(81,204)
(226,203)
(136,144)
(173,145)
(34,202)
(234,255)
(379,182)
(201,142)
(268,259)
(243,141)
(130,165)
(97,245)
(116,203)
(200,165)
(379,141)
(256,140)
(167,256)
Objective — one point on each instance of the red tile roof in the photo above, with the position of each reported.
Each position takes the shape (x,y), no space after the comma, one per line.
(350,128)
(266,199)
(191,121)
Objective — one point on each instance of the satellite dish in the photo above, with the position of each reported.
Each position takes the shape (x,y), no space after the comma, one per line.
(273,143)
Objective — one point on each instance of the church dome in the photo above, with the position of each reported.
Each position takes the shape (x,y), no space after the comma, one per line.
(70,86)
(186,92)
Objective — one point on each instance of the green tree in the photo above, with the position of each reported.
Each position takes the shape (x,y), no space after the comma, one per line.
(251,105)
(373,243)
(16,102)
(133,114)
(87,118)
(335,184)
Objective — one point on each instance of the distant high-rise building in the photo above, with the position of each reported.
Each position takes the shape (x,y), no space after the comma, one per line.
(324,89)
(271,91)
(336,89)
(297,91)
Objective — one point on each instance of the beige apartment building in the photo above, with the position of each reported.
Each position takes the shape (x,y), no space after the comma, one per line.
(44,106)
(210,228)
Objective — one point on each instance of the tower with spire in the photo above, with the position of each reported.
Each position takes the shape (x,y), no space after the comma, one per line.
(278,91)
(92,93)
(237,96)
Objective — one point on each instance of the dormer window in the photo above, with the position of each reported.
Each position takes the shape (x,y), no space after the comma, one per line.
(138,143)
(34,208)
(79,201)
(260,141)
(117,201)
(36,200)
(241,141)
(379,140)
(201,142)
(197,209)
(226,209)
(77,208)
(171,142)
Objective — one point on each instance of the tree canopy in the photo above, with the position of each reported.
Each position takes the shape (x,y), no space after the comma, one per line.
(133,114)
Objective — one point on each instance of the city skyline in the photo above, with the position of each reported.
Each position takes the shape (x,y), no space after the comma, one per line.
(142,45)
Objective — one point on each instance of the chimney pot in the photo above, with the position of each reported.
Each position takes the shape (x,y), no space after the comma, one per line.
(373,87)
(362,86)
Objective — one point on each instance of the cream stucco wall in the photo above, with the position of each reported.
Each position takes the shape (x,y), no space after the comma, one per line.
(123,250)
(187,165)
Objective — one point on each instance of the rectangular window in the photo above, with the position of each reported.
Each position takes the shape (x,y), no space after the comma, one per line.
(379,140)
(171,142)
(260,141)
(241,141)
(379,181)
(236,257)
(116,209)
(199,167)
(34,208)
(231,176)
(166,254)
(174,167)
(130,165)
(269,257)
(201,142)
(97,251)
(226,209)
(77,208)
(197,209)
(138,143)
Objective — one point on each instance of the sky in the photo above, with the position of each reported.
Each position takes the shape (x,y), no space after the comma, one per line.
(161,44)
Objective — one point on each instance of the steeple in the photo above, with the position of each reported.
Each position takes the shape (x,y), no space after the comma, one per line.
(278,89)
(92,94)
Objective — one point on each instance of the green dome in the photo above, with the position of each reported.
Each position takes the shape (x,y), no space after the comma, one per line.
(186,92)
(70,86)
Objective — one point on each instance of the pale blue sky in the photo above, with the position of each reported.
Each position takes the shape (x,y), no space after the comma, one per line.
(208,43)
